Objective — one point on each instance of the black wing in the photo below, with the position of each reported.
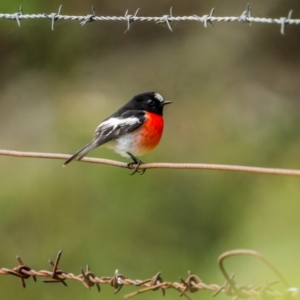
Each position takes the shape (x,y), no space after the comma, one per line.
(110,129)
(113,127)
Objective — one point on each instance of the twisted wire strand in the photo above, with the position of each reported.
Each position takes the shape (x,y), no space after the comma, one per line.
(192,284)
(245,17)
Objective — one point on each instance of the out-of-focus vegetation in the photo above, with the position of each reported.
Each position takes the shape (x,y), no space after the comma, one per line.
(235,89)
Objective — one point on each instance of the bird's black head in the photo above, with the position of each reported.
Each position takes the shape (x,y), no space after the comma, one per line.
(150,101)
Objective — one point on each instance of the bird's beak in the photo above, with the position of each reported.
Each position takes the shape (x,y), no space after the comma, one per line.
(166,102)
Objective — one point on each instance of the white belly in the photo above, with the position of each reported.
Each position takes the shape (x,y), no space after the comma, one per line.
(126,143)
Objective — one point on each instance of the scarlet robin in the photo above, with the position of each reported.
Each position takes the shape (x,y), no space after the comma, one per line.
(133,130)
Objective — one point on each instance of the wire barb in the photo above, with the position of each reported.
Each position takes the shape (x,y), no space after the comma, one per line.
(22,271)
(117,281)
(89,18)
(190,283)
(130,19)
(89,279)
(209,18)
(246,14)
(54,17)
(16,16)
(285,20)
(56,273)
(166,19)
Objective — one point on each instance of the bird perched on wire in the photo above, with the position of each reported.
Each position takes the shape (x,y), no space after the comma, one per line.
(133,130)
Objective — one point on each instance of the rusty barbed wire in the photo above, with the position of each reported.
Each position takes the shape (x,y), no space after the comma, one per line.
(244,17)
(192,284)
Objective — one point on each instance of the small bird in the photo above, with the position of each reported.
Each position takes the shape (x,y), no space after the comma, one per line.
(133,130)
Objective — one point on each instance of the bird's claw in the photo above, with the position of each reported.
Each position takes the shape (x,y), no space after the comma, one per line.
(135,165)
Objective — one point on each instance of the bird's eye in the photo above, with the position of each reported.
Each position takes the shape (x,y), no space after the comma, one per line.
(151,102)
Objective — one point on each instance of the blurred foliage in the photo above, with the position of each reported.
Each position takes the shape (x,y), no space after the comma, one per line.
(235,89)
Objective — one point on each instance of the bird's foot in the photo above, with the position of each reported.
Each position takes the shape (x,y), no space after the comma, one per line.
(135,165)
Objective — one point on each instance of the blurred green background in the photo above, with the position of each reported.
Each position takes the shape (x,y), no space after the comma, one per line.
(235,92)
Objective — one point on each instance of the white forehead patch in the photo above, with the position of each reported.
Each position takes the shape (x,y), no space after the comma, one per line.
(158,97)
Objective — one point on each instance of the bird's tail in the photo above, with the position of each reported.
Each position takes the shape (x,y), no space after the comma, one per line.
(82,152)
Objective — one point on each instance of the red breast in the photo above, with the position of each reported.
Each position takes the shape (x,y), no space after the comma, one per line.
(150,132)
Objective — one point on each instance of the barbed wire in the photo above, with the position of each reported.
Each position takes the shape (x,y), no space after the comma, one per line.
(244,17)
(192,284)
(144,166)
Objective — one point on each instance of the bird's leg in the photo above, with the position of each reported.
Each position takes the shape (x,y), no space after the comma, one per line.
(137,162)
